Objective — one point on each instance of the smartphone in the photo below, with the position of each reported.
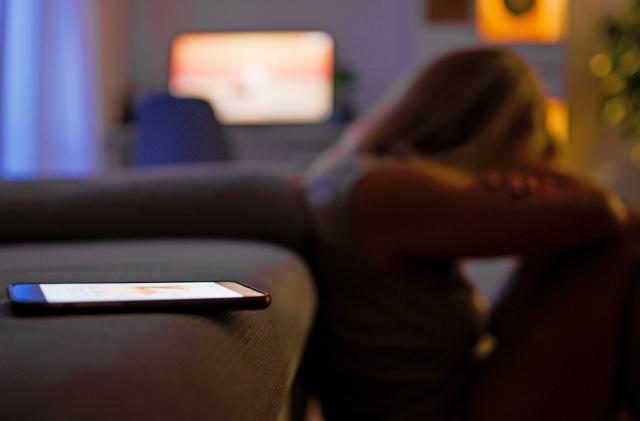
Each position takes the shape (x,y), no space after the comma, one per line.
(37,298)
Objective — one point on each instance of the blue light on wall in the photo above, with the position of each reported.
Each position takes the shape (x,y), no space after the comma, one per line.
(19,87)
(48,125)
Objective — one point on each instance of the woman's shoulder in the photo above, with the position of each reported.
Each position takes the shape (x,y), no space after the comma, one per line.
(338,172)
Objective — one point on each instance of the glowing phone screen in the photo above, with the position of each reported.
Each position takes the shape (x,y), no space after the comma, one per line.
(147,291)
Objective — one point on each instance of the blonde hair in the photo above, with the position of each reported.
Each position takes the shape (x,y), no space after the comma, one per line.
(475,109)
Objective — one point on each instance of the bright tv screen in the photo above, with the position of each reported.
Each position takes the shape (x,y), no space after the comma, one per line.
(256,77)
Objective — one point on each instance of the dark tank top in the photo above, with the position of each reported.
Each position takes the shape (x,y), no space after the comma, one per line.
(390,344)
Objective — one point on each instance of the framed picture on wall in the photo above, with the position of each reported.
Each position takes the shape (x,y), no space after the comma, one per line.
(447,11)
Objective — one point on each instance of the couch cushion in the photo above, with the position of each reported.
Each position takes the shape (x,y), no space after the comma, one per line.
(224,365)
(231,200)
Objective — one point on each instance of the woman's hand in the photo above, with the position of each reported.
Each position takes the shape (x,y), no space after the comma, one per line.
(520,183)
(523,183)
(527,183)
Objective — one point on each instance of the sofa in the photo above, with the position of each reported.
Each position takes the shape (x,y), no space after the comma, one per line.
(236,221)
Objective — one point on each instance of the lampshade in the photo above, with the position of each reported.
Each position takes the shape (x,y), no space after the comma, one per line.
(558,119)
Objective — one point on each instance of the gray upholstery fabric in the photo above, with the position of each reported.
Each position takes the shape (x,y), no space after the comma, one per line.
(257,202)
(221,366)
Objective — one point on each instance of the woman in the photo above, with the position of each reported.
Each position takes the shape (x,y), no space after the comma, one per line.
(461,166)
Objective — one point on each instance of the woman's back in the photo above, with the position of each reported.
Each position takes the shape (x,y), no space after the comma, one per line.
(409,329)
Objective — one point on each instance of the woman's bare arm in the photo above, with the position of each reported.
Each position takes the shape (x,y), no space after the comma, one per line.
(633,225)
(427,211)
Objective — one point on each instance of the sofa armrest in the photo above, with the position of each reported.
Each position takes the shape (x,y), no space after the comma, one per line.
(216,200)
(232,365)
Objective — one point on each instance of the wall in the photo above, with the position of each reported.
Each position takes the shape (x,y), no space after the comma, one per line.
(115,31)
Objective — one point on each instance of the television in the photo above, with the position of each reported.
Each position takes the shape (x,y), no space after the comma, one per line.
(278,77)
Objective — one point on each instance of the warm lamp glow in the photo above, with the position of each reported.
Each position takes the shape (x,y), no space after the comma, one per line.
(558,119)
(544,22)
